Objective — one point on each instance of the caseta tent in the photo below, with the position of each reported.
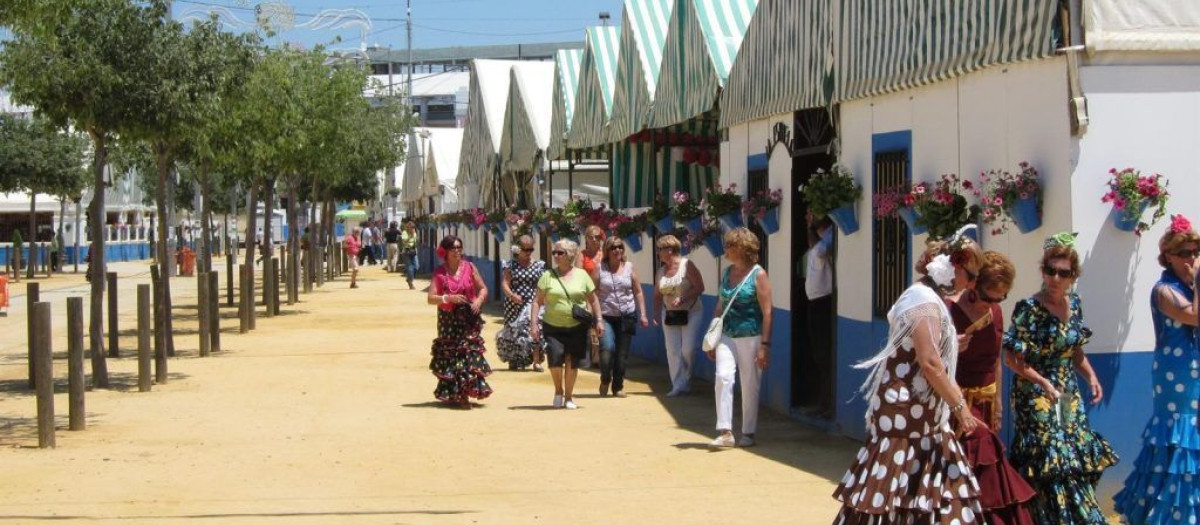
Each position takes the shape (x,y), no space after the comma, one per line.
(480,159)
(526,129)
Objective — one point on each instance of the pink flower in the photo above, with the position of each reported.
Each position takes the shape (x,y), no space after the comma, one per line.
(1119,204)
(1180,224)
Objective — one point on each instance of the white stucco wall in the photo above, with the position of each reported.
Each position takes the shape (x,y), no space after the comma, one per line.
(1143,117)
(992,119)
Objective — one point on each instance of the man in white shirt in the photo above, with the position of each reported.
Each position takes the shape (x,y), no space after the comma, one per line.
(818,286)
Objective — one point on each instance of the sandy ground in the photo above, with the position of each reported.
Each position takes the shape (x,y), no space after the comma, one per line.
(325,415)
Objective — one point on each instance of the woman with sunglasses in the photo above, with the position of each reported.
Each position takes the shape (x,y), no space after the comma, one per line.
(459,293)
(912,468)
(979,322)
(558,292)
(1054,446)
(623,307)
(677,292)
(519,282)
(590,258)
(1160,490)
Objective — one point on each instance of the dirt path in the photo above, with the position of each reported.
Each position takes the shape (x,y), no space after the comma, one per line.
(325,415)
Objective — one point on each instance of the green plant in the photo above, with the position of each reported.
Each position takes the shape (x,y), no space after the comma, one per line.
(760,202)
(686,208)
(634,225)
(998,191)
(520,222)
(1131,193)
(720,201)
(659,209)
(941,206)
(829,190)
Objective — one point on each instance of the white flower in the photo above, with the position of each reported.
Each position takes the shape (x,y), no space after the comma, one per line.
(941,270)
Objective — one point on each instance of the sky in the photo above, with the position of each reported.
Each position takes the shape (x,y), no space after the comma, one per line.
(436,23)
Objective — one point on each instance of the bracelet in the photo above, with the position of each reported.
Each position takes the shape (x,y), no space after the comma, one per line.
(962,403)
(443,298)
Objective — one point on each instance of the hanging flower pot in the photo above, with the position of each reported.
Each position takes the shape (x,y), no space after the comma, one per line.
(695,224)
(1025,214)
(715,245)
(554,236)
(770,221)
(1127,219)
(664,224)
(845,218)
(634,241)
(910,216)
(498,232)
(732,221)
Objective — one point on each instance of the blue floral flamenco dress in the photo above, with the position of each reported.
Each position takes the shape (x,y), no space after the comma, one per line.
(1163,487)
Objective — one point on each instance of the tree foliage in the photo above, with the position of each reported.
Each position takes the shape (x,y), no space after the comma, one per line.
(36,157)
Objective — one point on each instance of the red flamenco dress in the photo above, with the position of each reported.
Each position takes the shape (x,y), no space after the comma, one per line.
(458,361)
(1003,493)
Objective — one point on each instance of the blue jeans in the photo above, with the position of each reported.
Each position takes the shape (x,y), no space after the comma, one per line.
(410,265)
(614,350)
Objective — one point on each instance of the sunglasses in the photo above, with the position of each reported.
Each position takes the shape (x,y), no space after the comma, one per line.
(616,247)
(456,247)
(596,237)
(1187,254)
(1062,273)
(992,300)
(527,250)
(558,252)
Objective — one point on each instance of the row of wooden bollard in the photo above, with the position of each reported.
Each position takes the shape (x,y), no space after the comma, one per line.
(151,319)
(12,265)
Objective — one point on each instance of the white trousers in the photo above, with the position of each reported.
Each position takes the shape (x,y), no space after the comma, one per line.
(736,356)
(682,342)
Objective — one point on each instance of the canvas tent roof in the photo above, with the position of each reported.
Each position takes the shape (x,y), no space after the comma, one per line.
(1141,25)
(485,123)
(527,118)
(702,42)
(643,36)
(597,78)
(441,164)
(566,84)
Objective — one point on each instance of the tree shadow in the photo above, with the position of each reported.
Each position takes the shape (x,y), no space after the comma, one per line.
(117,382)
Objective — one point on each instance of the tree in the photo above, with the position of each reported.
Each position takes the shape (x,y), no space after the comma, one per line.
(104,45)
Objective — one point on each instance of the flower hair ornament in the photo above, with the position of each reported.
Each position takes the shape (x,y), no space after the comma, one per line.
(1063,239)
(941,270)
(1180,224)
(441,253)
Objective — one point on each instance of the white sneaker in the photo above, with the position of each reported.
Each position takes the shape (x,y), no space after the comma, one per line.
(558,401)
(673,393)
(746,441)
(723,441)
(570,405)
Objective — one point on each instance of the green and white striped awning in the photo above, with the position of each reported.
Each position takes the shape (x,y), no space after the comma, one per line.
(889,46)
(479,160)
(643,35)
(566,84)
(786,61)
(639,173)
(593,102)
(702,43)
(527,117)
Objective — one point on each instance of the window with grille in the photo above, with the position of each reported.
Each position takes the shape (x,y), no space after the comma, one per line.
(891,246)
(756,181)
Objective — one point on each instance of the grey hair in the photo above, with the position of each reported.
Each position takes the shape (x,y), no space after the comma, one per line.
(569,246)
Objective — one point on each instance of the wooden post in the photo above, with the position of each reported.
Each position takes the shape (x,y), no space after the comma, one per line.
(202,312)
(160,335)
(16,264)
(229,280)
(44,366)
(76,384)
(214,310)
(32,295)
(269,283)
(113,326)
(243,307)
(251,301)
(143,328)
(275,278)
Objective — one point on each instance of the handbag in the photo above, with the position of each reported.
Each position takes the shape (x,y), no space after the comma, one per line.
(712,337)
(579,313)
(676,317)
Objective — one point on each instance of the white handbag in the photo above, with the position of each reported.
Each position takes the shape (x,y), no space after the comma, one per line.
(712,337)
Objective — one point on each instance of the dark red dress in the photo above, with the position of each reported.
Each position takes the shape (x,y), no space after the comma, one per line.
(1003,493)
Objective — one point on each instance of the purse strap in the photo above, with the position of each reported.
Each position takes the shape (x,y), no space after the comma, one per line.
(560,283)
(738,290)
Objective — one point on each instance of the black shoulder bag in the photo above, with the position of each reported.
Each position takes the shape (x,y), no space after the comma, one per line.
(579,313)
(679,317)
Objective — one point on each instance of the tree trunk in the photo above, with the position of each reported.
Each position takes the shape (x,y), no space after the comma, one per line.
(170,223)
(97,269)
(293,241)
(206,248)
(166,255)
(251,224)
(58,236)
(78,212)
(33,251)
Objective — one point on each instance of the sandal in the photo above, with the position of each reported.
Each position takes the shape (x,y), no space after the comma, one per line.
(537,367)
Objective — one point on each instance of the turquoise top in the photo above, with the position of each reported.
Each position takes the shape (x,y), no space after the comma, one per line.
(745,316)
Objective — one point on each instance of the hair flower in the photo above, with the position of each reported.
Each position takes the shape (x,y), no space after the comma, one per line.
(941,270)
(1064,239)
(441,253)
(1180,224)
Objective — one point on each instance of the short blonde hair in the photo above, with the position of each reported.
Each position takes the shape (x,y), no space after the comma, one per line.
(609,243)
(743,240)
(669,242)
(569,246)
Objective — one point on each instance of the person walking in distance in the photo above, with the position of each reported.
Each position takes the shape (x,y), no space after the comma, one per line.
(353,247)
(408,249)
(392,239)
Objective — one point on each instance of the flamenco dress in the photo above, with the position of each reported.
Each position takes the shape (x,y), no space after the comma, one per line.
(458,361)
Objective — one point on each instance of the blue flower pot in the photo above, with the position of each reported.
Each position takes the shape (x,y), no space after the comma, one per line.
(1025,214)
(845,219)
(714,245)
(634,242)
(696,224)
(554,236)
(1127,220)
(910,216)
(732,220)
(498,233)
(770,221)
(472,226)
(665,224)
